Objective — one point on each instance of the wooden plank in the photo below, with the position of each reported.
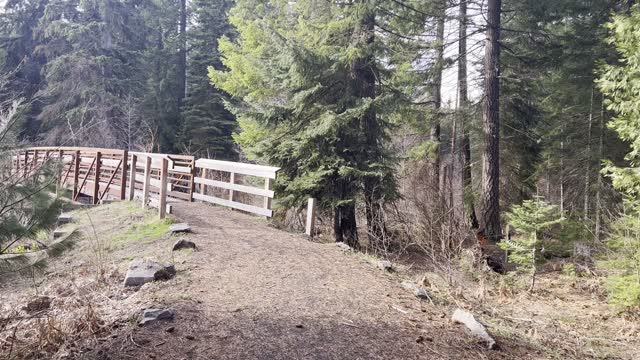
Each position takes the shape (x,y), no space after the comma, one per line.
(123,175)
(146,182)
(237,187)
(235,205)
(202,185)
(163,188)
(96,184)
(311,217)
(268,185)
(232,181)
(238,168)
(76,173)
(132,176)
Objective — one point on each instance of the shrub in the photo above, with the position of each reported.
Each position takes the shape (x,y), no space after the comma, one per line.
(529,219)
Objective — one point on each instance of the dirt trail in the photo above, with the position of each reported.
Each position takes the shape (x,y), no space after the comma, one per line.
(255,292)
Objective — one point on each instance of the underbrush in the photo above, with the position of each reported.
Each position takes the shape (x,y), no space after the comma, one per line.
(79,299)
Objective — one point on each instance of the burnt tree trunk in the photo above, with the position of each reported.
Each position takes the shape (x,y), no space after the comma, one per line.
(490,214)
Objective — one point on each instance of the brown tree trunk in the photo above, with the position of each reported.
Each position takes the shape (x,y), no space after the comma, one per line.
(587,170)
(433,162)
(463,99)
(364,75)
(182,54)
(490,215)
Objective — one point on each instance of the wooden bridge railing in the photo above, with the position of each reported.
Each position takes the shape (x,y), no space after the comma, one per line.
(155,179)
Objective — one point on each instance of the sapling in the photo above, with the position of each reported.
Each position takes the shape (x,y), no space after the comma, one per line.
(528,220)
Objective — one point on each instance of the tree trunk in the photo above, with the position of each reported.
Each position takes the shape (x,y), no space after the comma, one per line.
(490,215)
(598,219)
(364,71)
(344,225)
(182,55)
(433,162)
(587,171)
(463,101)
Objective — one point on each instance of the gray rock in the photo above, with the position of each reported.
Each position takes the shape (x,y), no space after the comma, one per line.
(143,271)
(59,233)
(184,244)
(64,219)
(418,291)
(344,246)
(150,316)
(385,265)
(464,317)
(180,228)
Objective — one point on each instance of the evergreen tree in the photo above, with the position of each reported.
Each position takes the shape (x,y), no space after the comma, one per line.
(93,50)
(310,76)
(207,125)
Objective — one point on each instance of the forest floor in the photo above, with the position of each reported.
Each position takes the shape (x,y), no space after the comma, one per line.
(251,291)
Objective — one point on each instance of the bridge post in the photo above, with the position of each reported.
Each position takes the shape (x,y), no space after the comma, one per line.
(96,182)
(147,182)
(162,201)
(232,180)
(76,173)
(268,185)
(132,177)
(311,217)
(123,175)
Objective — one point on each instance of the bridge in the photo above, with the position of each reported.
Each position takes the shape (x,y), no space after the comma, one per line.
(156,180)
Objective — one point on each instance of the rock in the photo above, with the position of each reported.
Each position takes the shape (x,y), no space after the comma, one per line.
(143,271)
(477,329)
(107,201)
(190,337)
(184,244)
(58,233)
(344,246)
(64,219)
(418,291)
(170,329)
(180,228)
(385,265)
(39,303)
(150,316)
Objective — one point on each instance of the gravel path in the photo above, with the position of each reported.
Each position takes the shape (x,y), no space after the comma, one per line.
(255,292)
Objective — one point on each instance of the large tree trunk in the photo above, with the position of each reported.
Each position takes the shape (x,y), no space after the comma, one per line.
(182,54)
(433,163)
(364,71)
(490,215)
(344,221)
(463,100)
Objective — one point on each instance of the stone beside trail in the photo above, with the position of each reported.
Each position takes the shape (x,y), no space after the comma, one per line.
(180,228)
(143,271)
(183,244)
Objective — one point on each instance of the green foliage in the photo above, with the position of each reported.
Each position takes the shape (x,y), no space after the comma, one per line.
(27,208)
(623,259)
(529,219)
(207,125)
(620,82)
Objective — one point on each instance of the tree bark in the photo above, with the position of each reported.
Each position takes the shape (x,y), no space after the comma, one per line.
(433,162)
(182,54)
(463,99)
(598,218)
(587,171)
(490,215)
(364,71)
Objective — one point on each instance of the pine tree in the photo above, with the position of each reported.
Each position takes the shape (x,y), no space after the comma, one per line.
(309,75)
(93,50)
(207,125)
(28,210)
